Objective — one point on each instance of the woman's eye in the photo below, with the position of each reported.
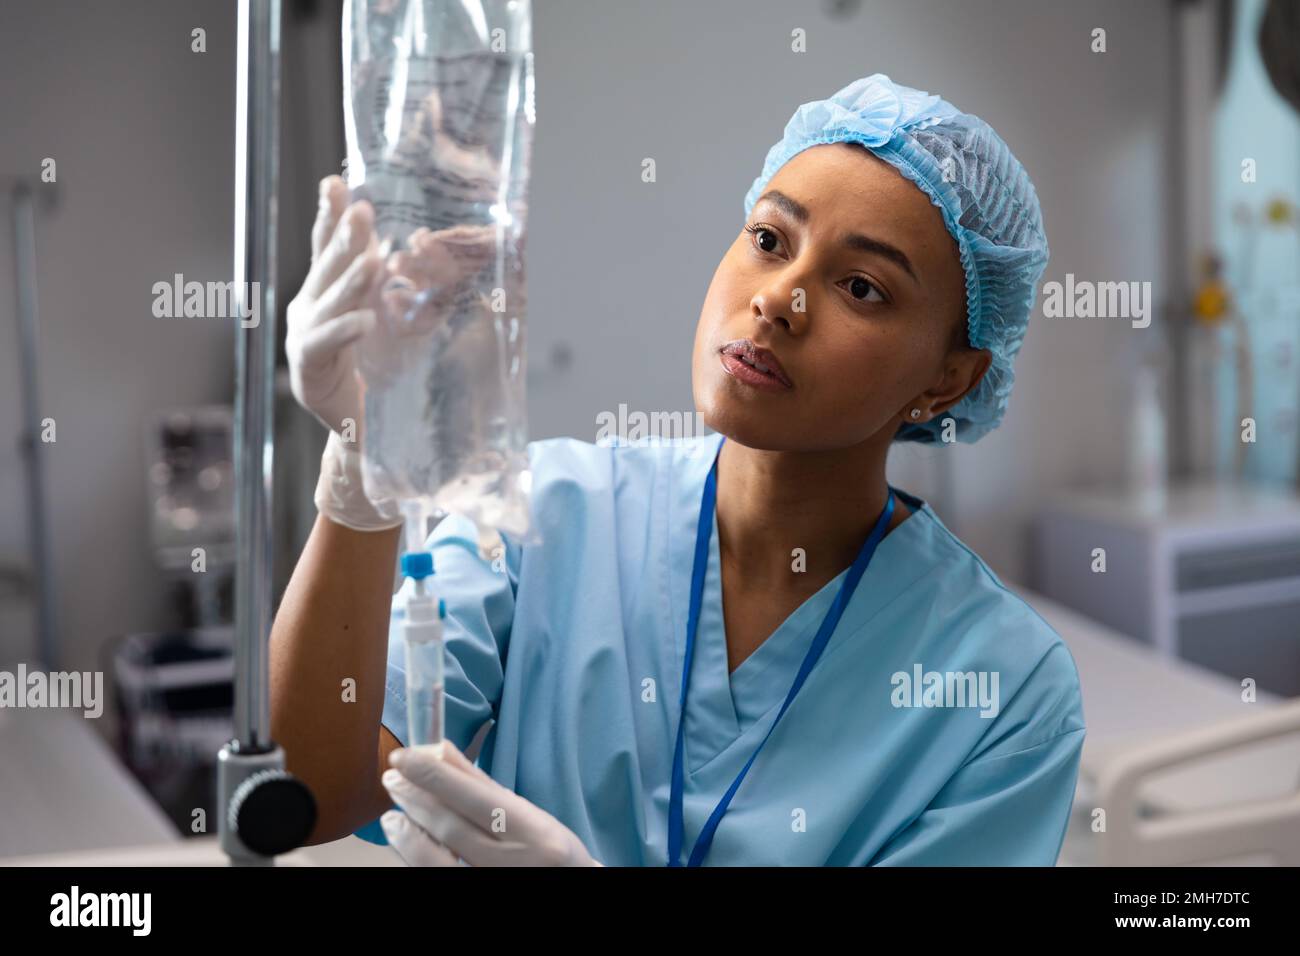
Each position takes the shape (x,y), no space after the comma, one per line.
(864,290)
(765,238)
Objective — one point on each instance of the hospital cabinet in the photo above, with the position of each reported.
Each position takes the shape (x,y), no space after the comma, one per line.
(1211,574)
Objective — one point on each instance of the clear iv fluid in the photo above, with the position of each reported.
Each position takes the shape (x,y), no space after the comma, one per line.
(425,685)
(424,715)
(439,117)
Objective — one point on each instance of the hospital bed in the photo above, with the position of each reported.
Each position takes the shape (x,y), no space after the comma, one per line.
(1185,771)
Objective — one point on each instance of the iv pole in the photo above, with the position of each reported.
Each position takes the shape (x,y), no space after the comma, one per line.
(262,809)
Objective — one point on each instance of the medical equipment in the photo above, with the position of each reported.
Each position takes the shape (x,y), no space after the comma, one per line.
(174,698)
(191,485)
(988,205)
(425,713)
(263,810)
(438,103)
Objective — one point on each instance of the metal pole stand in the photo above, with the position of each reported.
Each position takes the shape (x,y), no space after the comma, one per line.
(263,810)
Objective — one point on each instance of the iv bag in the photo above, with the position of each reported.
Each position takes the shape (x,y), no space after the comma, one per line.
(439,116)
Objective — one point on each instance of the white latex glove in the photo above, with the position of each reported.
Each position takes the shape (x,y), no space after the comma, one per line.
(334,308)
(341,494)
(453,809)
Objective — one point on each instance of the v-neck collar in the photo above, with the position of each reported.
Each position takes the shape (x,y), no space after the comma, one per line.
(770,667)
(724,707)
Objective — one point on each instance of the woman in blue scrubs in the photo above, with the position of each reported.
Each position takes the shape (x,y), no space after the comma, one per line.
(747,648)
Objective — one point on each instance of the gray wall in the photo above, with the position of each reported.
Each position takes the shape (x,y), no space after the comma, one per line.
(141,129)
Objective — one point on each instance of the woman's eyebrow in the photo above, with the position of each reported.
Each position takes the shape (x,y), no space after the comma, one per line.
(799,213)
(878,246)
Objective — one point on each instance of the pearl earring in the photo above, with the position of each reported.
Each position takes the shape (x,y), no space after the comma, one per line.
(916,413)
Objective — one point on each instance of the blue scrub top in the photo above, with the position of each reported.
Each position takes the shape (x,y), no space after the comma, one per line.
(574,646)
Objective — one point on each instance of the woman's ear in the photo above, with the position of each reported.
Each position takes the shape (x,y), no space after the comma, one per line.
(963,370)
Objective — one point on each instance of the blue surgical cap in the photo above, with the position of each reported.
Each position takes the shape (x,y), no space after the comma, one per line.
(988,204)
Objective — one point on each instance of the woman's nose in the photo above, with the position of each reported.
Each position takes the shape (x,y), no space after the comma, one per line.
(783,300)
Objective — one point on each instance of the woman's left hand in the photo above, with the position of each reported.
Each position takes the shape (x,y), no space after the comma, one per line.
(451,809)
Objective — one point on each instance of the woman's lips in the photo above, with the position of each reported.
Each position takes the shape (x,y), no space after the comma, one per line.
(739,369)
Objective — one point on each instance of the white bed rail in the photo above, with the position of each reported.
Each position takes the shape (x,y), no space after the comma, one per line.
(1270,827)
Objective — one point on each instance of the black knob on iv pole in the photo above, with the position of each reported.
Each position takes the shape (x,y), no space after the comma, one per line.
(272,812)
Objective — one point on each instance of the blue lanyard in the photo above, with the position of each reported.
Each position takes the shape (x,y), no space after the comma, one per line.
(702,534)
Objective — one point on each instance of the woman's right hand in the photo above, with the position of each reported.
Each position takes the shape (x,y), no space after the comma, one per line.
(335,307)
